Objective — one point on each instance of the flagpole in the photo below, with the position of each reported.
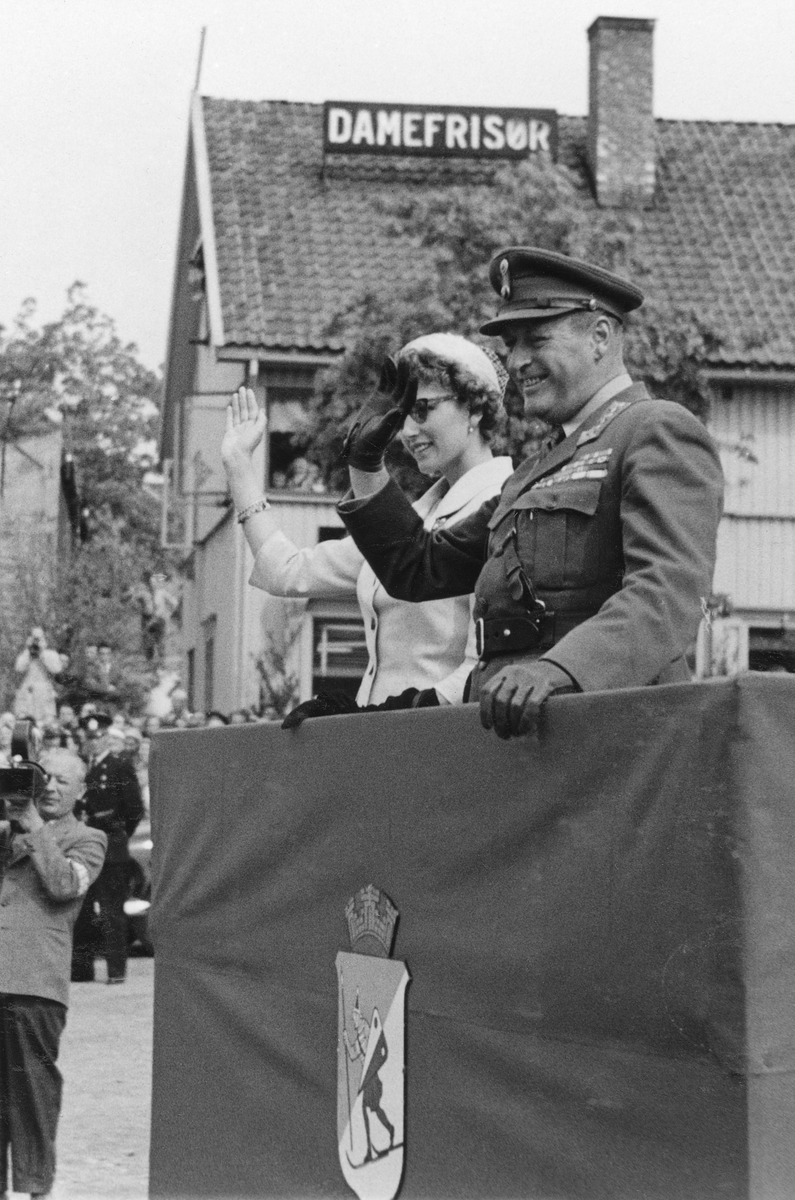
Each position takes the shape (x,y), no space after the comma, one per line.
(345,1056)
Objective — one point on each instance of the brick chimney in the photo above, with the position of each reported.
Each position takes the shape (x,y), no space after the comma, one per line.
(621,115)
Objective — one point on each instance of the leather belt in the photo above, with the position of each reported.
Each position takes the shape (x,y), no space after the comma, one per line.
(538,631)
(515,635)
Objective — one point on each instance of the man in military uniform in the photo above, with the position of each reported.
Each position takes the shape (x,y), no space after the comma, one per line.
(113,804)
(590,568)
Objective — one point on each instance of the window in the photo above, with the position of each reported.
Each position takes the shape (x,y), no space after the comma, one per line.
(339,654)
(772,649)
(288,390)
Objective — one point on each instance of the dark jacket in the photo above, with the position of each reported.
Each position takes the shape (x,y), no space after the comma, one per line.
(113,803)
(615,529)
(46,876)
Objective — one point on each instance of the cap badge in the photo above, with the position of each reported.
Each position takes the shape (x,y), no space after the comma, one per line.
(505,275)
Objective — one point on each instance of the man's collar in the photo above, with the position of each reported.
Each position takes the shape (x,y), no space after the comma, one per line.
(606,392)
(96,761)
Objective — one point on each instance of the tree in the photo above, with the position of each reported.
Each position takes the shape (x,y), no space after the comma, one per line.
(449,235)
(275,665)
(78,371)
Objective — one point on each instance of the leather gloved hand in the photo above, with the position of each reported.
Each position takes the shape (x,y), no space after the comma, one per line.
(411,698)
(324,704)
(380,418)
(511,701)
(332,704)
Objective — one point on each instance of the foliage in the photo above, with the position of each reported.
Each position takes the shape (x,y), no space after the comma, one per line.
(278,682)
(449,235)
(27,599)
(78,371)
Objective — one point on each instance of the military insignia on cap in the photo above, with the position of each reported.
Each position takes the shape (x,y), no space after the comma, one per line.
(371,1050)
(92,724)
(505,276)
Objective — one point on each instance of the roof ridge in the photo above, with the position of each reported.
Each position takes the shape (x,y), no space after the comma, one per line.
(726,122)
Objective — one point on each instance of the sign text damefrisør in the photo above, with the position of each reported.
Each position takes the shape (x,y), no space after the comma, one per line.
(353,128)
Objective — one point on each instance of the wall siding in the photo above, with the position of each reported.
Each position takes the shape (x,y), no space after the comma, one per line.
(755,429)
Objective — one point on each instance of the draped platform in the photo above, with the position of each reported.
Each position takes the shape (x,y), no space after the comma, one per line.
(599,928)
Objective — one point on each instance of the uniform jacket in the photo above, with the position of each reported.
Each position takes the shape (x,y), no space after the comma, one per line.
(46,876)
(615,528)
(113,803)
(426,645)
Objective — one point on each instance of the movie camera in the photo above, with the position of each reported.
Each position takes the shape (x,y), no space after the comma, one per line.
(25,780)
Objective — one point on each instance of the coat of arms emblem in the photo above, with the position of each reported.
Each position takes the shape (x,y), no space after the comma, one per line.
(371,1050)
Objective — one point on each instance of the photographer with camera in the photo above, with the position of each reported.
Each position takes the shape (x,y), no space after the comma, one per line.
(38,665)
(48,859)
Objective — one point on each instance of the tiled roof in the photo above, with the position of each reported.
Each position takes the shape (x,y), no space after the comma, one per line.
(296,242)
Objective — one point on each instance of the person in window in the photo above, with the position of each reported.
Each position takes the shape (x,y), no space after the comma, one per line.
(429,647)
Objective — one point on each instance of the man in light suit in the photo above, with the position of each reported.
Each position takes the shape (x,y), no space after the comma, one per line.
(49,863)
(589,571)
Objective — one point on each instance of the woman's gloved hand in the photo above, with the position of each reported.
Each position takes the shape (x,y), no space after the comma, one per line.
(334,704)
(324,704)
(380,418)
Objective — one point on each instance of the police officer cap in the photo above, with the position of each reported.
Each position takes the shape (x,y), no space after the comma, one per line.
(94,722)
(535,284)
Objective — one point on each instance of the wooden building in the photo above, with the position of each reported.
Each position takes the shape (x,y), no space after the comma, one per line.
(281,227)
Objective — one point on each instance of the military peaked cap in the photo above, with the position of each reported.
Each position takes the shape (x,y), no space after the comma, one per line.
(535,284)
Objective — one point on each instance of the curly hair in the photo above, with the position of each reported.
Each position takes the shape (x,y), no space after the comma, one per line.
(448,361)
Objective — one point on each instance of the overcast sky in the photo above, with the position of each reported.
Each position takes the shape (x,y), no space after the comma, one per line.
(94,102)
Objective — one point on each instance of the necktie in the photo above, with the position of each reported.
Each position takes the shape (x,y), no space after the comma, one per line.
(556,435)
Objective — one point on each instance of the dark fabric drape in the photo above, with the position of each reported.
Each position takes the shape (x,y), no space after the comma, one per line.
(598,927)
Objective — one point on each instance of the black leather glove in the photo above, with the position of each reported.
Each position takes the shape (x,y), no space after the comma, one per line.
(380,418)
(411,698)
(334,704)
(511,701)
(324,704)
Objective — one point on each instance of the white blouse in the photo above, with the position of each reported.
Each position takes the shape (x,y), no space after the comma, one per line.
(430,644)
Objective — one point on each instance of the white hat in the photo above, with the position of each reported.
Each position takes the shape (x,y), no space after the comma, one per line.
(457,349)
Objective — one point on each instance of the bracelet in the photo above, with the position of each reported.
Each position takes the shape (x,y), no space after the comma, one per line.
(258,506)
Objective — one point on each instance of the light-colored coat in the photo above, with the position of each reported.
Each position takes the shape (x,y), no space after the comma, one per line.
(46,876)
(409,645)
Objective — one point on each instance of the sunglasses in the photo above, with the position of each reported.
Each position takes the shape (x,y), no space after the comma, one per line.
(421,408)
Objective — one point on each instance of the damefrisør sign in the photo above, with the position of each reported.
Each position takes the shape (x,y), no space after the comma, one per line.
(440,131)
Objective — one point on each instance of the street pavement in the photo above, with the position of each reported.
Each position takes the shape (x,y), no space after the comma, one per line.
(106,1062)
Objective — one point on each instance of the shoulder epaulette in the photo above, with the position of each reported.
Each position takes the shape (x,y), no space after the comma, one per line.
(611,412)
